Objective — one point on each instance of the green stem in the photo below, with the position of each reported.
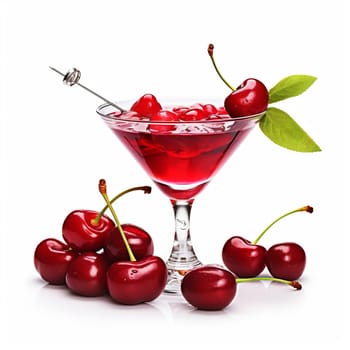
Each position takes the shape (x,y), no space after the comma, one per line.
(145,189)
(211,55)
(305,208)
(121,231)
(294,284)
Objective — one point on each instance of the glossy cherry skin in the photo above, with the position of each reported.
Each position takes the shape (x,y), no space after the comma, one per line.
(140,241)
(135,282)
(147,105)
(250,98)
(166,118)
(82,234)
(86,275)
(51,259)
(209,287)
(286,260)
(242,257)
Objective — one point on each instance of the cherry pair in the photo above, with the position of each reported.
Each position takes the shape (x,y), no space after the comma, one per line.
(248,259)
(85,270)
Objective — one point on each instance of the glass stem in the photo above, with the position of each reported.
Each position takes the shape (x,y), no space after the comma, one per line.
(182,257)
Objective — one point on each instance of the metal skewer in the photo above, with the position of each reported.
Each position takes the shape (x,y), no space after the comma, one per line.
(72,77)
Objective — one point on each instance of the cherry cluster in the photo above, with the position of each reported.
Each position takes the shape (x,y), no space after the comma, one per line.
(100,256)
(148,107)
(165,119)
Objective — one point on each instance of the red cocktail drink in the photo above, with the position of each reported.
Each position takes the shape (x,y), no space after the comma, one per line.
(182,163)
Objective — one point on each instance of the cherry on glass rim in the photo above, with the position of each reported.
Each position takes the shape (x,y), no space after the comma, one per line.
(249,98)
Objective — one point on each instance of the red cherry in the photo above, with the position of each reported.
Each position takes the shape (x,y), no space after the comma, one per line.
(222,111)
(193,114)
(286,260)
(86,275)
(135,282)
(147,105)
(210,109)
(82,233)
(251,97)
(165,117)
(51,259)
(178,110)
(209,287)
(140,242)
(243,258)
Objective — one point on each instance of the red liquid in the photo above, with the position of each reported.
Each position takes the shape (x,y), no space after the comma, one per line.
(181,164)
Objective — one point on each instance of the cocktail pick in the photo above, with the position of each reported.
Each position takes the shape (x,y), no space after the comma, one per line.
(72,77)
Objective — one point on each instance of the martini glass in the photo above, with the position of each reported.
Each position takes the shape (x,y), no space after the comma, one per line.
(181,158)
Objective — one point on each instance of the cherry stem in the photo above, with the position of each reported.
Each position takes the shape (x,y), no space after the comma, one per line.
(306,208)
(145,189)
(294,284)
(211,55)
(103,190)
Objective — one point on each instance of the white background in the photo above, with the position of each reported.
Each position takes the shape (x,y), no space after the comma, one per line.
(54,149)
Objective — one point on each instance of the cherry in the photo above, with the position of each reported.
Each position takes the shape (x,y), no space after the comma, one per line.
(140,242)
(210,109)
(197,111)
(242,257)
(164,119)
(193,114)
(180,109)
(286,260)
(211,287)
(51,260)
(86,275)
(81,231)
(250,98)
(146,106)
(133,282)
(248,259)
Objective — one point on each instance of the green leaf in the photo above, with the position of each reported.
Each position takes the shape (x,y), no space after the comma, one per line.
(291,86)
(283,130)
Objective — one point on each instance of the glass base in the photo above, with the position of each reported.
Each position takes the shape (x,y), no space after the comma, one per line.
(176,271)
